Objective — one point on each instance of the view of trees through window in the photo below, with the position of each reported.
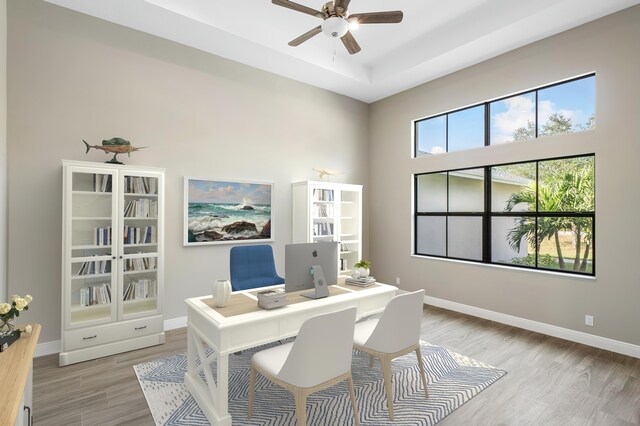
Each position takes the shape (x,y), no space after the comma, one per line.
(559,108)
(541,214)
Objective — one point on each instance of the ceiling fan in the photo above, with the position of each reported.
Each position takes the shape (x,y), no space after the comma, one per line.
(337,20)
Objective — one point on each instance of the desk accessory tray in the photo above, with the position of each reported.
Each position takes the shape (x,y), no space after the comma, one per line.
(270,299)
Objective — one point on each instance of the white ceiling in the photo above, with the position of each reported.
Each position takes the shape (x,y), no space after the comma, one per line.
(435,37)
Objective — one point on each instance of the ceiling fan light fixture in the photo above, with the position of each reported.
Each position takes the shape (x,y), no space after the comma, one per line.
(354,25)
(335,26)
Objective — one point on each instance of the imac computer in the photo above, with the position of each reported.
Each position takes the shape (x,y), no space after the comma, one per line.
(311,266)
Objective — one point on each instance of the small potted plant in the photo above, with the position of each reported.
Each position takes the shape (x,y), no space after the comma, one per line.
(361,269)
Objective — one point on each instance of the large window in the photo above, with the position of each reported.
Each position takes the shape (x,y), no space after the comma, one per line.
(539,214)
(559,108)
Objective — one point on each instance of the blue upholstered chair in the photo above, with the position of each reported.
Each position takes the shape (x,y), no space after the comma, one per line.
(252,267)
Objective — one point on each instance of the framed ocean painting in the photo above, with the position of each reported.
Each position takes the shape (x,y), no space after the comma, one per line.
(222,211)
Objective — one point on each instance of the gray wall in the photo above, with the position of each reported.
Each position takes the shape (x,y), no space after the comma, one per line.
(3,150)
(73,77)
(611,48)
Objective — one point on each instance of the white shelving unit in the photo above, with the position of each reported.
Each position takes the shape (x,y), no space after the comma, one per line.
(327,211)
(112,259)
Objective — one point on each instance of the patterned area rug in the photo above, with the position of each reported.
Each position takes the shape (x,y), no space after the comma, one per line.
(453,380)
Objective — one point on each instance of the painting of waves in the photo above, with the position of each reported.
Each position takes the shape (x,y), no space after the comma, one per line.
(223,212)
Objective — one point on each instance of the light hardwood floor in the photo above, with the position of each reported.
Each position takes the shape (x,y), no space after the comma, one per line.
(550,381)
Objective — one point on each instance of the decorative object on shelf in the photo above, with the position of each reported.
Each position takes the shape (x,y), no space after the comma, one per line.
(325,172)
(221,293)
(219,212)
(114,146)
(9,311)
(361,269)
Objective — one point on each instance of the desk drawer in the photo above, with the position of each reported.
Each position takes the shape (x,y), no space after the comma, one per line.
(107,333)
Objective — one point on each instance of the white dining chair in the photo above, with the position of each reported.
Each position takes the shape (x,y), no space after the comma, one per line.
(396,333)
(319,358)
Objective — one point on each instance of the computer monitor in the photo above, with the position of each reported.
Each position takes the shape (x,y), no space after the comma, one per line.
(300,262)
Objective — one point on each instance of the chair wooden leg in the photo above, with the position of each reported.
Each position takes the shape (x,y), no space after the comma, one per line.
(386,372)
(252,385)
(352,394)
(372,360)
(424,376)
(301,407)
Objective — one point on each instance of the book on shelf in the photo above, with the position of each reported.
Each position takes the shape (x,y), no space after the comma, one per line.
(102,236)
(323,229)
(140,185)
(102,183)
(95,294)
(141,208)
(93,267)
(140,264)
(140,235)
(323,210)
(323,194)
(140,289)
(344,265)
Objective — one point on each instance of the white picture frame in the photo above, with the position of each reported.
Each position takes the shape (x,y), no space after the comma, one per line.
(225,211)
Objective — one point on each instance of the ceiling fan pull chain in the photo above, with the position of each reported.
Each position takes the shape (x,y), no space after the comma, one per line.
(334,48)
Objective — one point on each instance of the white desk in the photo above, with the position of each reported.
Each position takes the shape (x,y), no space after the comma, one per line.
(242,325)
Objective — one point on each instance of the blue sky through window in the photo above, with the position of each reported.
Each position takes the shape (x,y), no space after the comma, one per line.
(466,129)
(574,100)
(431,136)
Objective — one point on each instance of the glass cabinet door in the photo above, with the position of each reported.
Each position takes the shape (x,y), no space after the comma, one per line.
(140,215)
(323,213)
(139,285)
(89,229)
(349,231)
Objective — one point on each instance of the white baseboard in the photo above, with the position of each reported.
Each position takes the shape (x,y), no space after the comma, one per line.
(48,348)
(539,327)
(174,323)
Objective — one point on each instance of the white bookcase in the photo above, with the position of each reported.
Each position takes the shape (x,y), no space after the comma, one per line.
(327,211)
(112,259)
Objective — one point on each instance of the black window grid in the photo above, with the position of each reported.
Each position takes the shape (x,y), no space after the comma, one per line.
(488,214)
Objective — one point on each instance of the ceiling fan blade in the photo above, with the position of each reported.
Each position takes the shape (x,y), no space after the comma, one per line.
(298,7)
(391,17)
(306,36)
(350,43)
(342,5)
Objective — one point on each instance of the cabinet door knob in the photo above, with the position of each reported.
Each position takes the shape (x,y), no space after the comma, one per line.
(141,328)
(90,337)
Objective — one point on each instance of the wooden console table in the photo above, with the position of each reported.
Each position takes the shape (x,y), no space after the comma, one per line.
(16,375)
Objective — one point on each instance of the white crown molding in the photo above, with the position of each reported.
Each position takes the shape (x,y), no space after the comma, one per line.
(539,327)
